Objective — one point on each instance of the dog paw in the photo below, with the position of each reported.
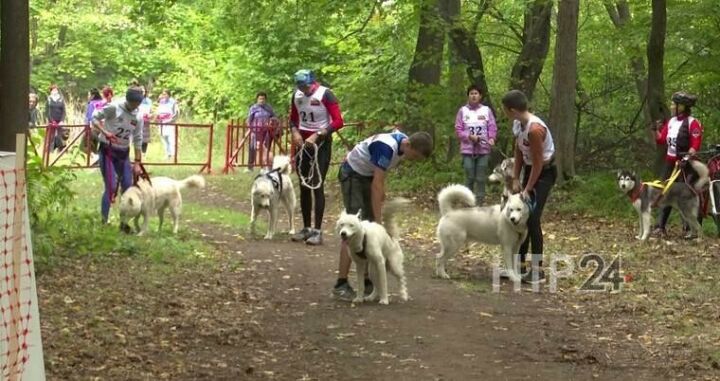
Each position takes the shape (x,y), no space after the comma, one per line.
(638,237)
(358,300)
(384,302)
(291,232)
(442,275)
(404,297)
(268,236)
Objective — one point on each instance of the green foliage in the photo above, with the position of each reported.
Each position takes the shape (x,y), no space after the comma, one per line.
(216,54)
(49,190)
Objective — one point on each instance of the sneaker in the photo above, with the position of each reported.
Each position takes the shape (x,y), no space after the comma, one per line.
(536,275)
(315,238)
(344,292)
(368,287)
(659,232)
(302,235)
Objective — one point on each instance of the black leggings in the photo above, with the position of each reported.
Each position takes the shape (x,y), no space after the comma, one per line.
(307,194)
(539,196)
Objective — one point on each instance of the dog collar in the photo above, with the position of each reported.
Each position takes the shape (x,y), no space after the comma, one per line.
(361,253)
(636,194)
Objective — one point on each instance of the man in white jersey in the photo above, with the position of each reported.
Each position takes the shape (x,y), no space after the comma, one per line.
(314,116)
(535,155)
(121,127)
(362,180)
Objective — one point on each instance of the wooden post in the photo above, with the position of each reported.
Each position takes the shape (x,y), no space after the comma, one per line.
(15,327)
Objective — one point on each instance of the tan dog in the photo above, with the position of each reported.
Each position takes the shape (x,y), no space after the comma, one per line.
(164,193)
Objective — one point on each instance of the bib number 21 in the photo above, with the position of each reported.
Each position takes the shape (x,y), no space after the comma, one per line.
(304,116)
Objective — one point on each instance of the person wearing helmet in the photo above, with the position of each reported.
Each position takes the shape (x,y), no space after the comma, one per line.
(314,116)
(682,134)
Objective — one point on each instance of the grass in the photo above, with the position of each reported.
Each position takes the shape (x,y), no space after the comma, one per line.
(77,231)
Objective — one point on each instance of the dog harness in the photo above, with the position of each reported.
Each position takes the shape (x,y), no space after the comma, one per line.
(636,194)
(276,182)
(361,253)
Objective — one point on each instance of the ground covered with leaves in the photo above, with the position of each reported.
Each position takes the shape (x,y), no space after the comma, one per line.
(237,307)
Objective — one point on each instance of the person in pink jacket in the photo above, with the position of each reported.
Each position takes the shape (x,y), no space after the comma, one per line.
(476,129)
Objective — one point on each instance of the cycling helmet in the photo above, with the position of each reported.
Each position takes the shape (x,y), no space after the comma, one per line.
(304,77)
(683,98)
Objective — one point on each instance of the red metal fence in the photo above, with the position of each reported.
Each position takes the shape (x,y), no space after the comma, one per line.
(239,139)
(80,136)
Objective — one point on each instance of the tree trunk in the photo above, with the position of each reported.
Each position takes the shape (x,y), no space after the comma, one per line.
(426,68)
(619,12)
(456,80)
(536,43)
(14,71)
(656,80)
(563,113)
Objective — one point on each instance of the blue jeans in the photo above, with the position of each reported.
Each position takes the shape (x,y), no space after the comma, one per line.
(113,163)
(475,167)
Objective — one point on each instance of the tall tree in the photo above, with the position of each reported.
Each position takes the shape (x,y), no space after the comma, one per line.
(536,42)
(563,113)
(465,44)
(656,77)
(426,68)
(619,12)
(14,71)
(656,59)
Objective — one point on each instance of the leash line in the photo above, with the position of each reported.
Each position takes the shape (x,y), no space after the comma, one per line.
(314,166)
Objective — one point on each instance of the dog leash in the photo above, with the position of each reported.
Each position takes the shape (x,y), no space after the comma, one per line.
(314,166)
(143,175)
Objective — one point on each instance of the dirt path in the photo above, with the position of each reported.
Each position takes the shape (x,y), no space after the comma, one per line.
(263,310)
(443,333)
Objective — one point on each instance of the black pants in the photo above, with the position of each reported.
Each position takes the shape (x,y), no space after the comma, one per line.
(306,168)
(664,214)
(539,196)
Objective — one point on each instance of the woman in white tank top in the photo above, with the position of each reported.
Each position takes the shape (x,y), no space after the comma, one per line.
(534,153)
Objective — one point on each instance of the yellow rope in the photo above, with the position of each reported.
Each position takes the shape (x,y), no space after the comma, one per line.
(665,185)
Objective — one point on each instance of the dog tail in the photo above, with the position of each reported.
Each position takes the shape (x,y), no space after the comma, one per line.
(194,181)
(390,209)
(282,163)
(703,175)
(455,196)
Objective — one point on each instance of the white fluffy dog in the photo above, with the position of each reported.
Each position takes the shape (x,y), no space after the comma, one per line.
(373,247)
(145,198)
(268,190)
(504,225)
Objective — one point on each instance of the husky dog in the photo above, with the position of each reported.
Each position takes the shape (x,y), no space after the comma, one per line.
(503,172)
(268,190)
(681,196)
(504,224)
(145,198)
(373,247)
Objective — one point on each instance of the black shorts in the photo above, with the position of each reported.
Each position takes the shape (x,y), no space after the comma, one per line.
(356,192)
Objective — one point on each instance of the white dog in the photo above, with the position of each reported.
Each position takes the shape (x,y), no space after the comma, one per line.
(374,248)
(145,198)
(504,225)
(270,188)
